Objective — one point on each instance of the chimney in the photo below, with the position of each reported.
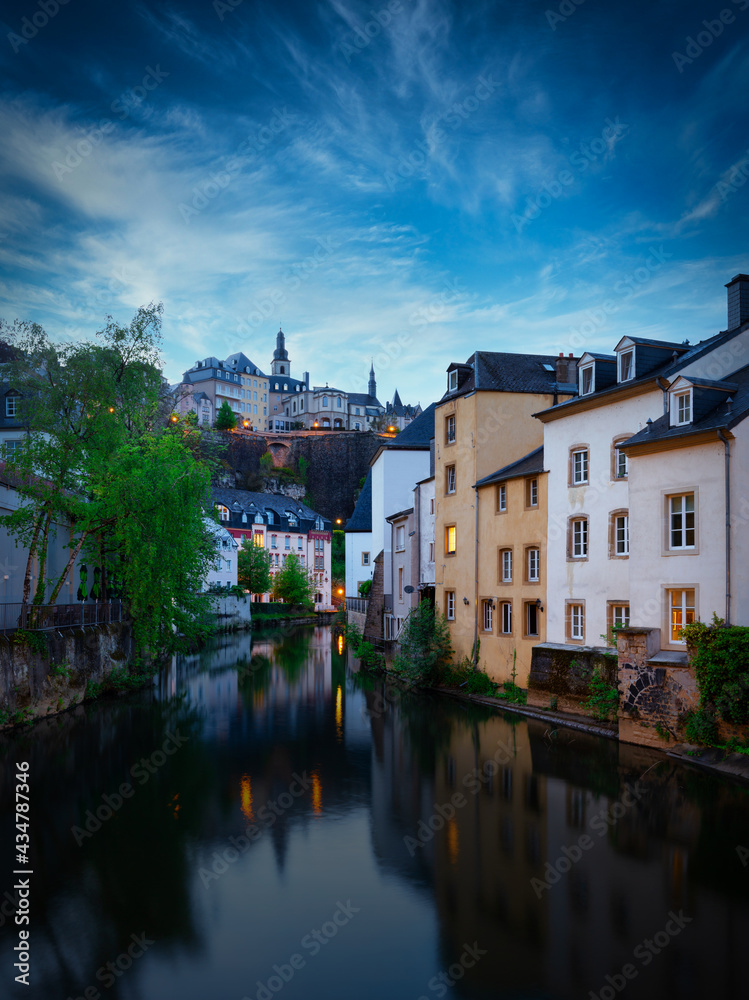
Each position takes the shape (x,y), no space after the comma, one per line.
(561,367)
(738,301)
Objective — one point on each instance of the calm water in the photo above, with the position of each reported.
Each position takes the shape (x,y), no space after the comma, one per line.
(273,823)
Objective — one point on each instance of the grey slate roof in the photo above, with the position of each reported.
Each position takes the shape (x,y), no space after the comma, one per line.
(254,503)
(724,415)
(363,399)
(503,372)
(361,519)
(418,433)
(528,465)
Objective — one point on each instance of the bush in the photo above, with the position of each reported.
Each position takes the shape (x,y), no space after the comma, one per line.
(701,727)
(365,587)
(603,699)
(425,646)
(720,657)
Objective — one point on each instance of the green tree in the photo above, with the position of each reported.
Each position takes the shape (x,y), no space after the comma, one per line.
(253,567)
(338,556)
(226,419)
(425,646)
(292,583)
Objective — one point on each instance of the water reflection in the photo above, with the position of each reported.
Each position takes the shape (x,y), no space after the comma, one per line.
(300,784)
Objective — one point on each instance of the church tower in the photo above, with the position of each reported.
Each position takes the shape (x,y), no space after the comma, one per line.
(372,383)
(280,364)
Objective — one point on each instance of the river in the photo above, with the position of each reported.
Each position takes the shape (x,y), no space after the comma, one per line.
(267,820)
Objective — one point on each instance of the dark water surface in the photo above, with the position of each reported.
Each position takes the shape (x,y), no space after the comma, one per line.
(273,823)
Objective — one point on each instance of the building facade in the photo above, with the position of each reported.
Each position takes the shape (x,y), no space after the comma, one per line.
(237,380)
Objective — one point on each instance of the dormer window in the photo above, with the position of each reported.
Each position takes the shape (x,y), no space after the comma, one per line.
(319,524)
(586,380)
(681,407)
(223,512)
(627,365)
(258,518)
(271,518)
(452,380)
(244,518)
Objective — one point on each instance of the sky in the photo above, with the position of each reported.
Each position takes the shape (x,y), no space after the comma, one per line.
(406,182)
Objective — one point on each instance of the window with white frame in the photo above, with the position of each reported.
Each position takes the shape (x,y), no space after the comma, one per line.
(505,565)
(274,541)
(619,615)
(621,534)
(488,607)
(681,608)
(576,621)
(287,542)
(682,407)
(621,468)
(400,538)
(450,605)
(533,565)
(12,401)
(502,498)
(531,493)
(506,617)
(365,558)
(223,512)
(450,479)
(450,429)
(626,365)
(579,466)
(579,540)
(586,380)
(452,380)
(681,521)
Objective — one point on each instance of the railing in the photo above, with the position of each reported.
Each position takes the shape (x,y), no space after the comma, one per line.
(357,604)
(46,616)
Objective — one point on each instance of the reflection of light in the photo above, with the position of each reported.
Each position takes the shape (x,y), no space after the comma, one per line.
(453,847)
(340,642)
(339,712)
(175,806)
(247,798)
(316,794)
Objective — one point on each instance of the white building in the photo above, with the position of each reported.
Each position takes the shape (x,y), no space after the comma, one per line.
(223,572)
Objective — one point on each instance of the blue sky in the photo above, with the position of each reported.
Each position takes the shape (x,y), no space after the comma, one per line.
(408,181)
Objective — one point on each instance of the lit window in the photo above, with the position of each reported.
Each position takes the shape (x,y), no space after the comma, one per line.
(450,429)
(488,616)
(580,538)
(533,565)
(626,366)
(681,603)
(505,565)
(502,497)
(579,467)
(223,513)
(450,539)
(506,618)
(681,521)
(450,605)
(450,483)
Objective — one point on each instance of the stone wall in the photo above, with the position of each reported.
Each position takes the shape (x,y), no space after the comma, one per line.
(560,675)
(373,626)
(51,679)
(232,612)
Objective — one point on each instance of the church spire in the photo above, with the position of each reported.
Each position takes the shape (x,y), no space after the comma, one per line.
(280,364)
(372,383)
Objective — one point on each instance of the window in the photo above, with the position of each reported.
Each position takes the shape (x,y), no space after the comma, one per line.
(400,584)
(621,467)
(325,401)
(681,521)
(356,410)
(450,429)
(365,558)
(579,538)
(532,565)
(12,404)
(505,565)
(431,552)
(431,505)
(450,605)
(579,467)
(223,512)
(501,498)
(618,614)
(319,525)
(339,403)
(356,427)
(575,622)
(626,365)
(271,517)
(683,407)
(531,493)
(621,535)
(450,540)
(506,617)
(274,541)
(531,618)
(12,446)
(452,381)
(287,542)
(450,479)
(488,609)
(586,380)
(681,604)
(400,538)
(299,543)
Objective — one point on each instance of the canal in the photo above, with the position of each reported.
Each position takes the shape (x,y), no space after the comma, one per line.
(269,821)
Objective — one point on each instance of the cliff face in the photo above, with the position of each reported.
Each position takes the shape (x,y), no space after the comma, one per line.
(337,463)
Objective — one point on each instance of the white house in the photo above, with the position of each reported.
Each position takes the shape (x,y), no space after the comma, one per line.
(223,572)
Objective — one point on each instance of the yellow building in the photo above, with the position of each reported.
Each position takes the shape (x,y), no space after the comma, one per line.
(512,506)
(484,423)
